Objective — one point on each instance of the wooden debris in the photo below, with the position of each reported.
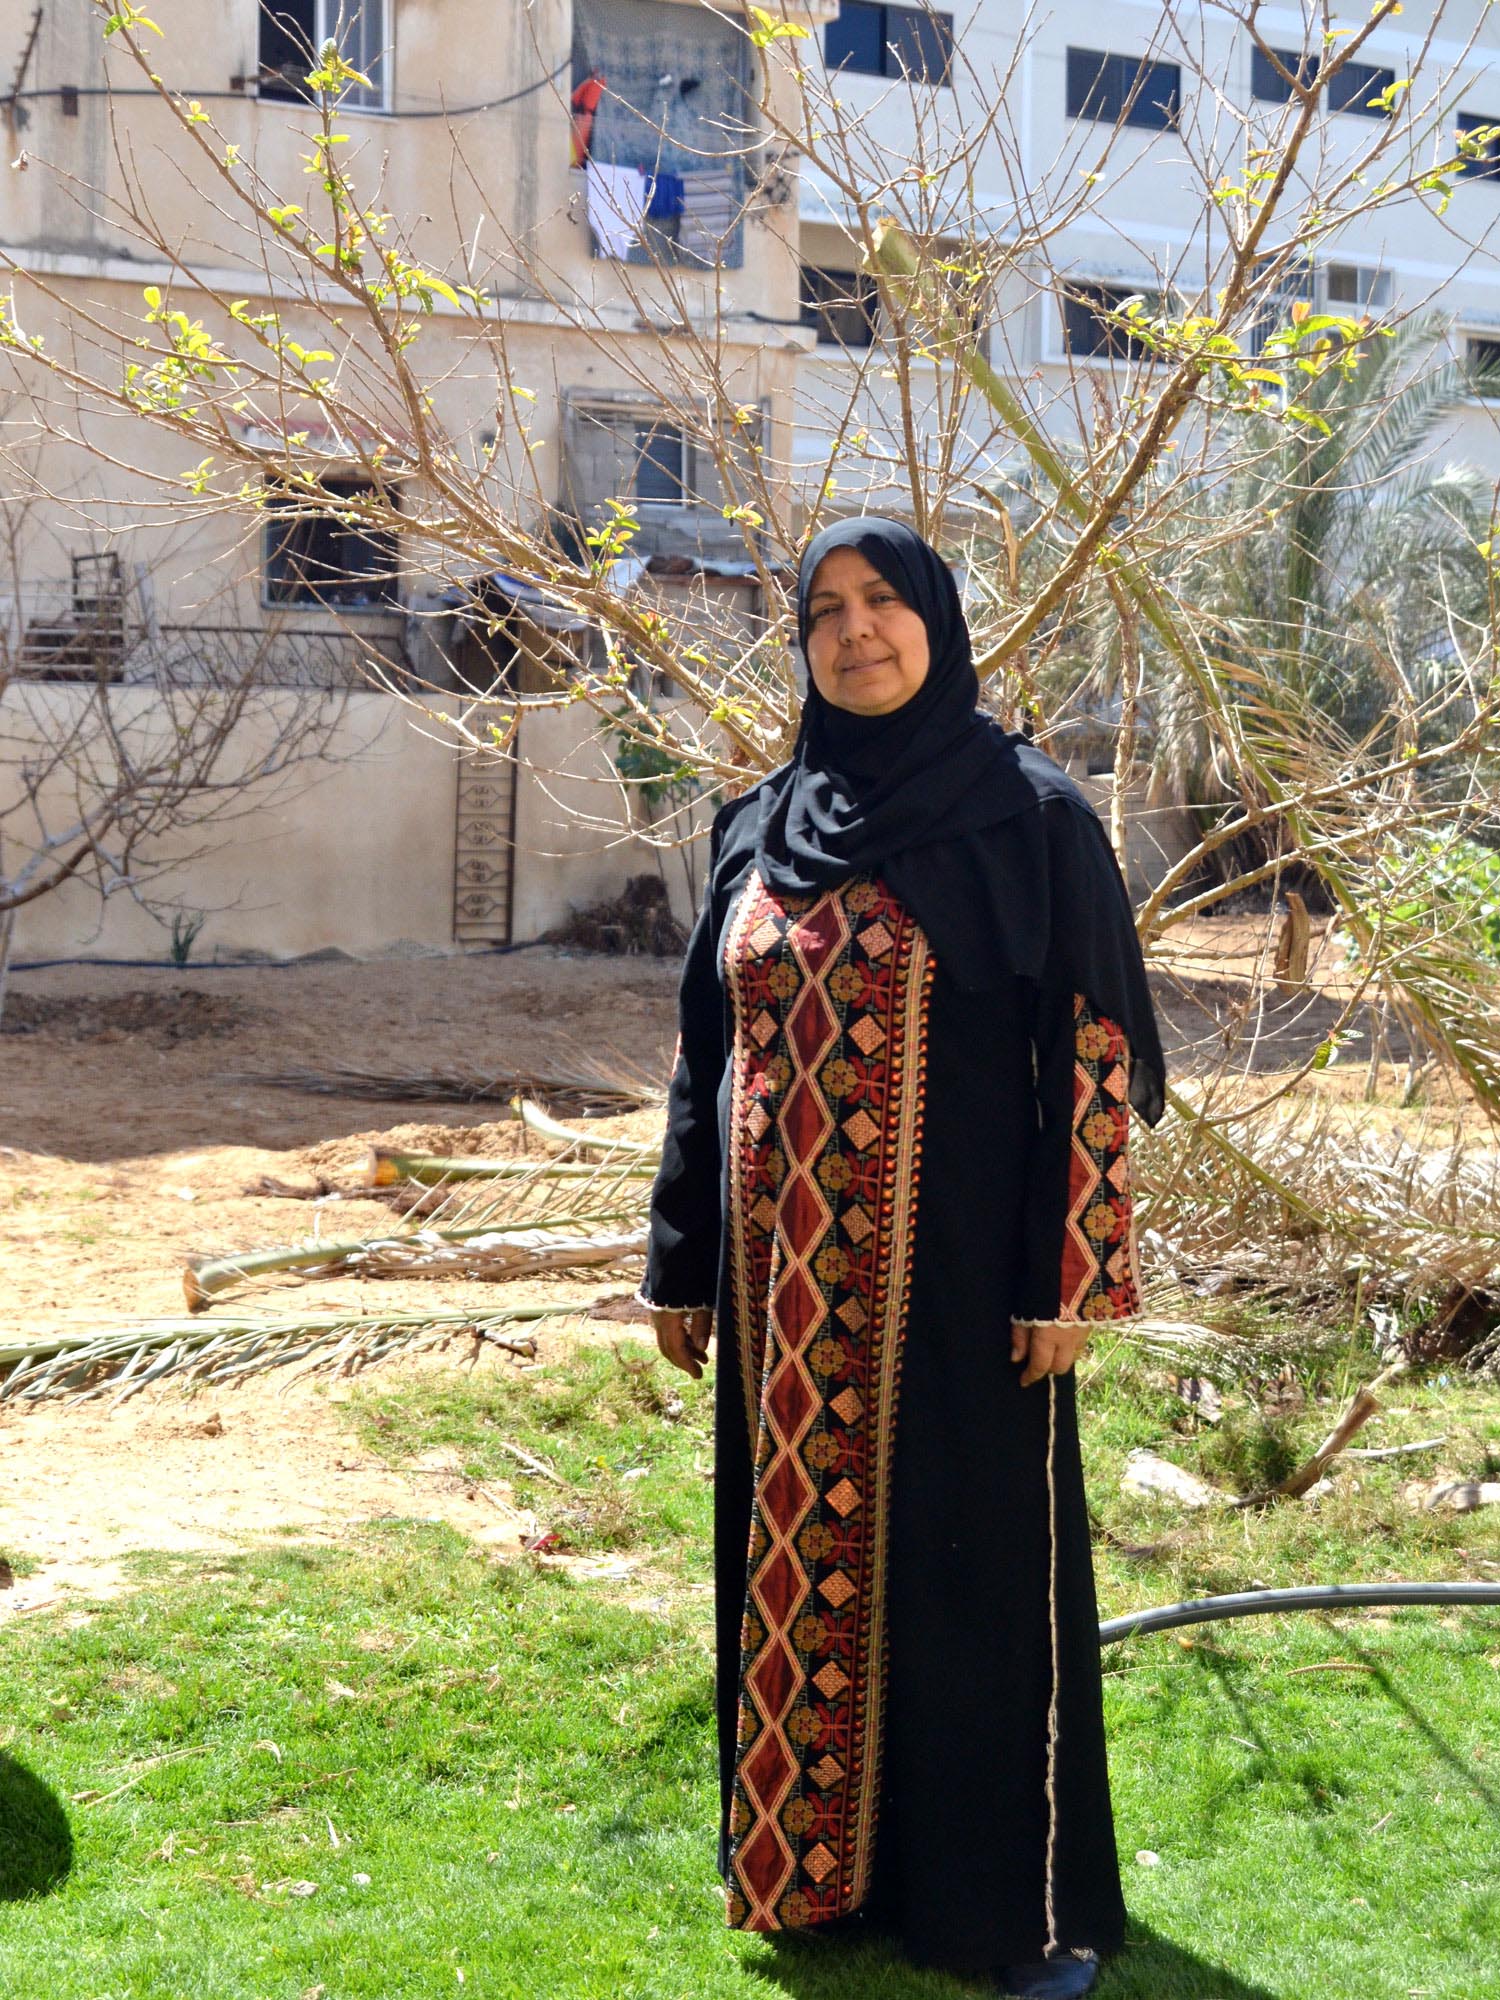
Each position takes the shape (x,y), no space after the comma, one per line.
(480,1252)
(321,1189)
(531,1463)
(1362,1407)
(1373,1451)
(1291,946)
(389,1166)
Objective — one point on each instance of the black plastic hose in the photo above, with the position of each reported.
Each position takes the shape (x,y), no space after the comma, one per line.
(1304,1597)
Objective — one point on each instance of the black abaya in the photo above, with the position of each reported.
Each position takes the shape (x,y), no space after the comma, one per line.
(988,1811)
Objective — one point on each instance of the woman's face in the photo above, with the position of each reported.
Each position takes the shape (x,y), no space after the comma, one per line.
(866,648)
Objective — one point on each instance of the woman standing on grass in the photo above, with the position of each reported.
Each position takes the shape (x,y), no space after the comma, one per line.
(913,1018)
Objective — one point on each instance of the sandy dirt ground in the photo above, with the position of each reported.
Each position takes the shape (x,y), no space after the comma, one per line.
(134,1134)
(128,1141)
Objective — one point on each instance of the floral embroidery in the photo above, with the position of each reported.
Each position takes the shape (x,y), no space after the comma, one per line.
(1100,1277)
(827,1077)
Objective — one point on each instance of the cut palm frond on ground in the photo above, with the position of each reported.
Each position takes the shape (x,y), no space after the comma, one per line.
(536,1216)
(537,1120)
(1301,1199)
(581,1093)
(389,1168)
(423,1253)
(130,1355)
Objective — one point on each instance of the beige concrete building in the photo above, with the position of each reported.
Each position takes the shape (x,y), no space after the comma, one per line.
(555,395)
(618,232)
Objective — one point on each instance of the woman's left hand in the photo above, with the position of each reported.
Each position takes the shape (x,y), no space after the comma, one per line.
(1048,1347)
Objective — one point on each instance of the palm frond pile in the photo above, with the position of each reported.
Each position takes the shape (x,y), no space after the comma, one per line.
(132,1355)
(584,1091)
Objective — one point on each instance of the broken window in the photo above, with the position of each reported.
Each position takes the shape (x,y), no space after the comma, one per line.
(317,558)
(1089,328)
(661,111)
(842,306)
(293,31)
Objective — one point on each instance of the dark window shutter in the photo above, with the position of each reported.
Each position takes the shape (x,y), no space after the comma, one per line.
(1487,166)
(1355,85)
(918,45)
(856,40)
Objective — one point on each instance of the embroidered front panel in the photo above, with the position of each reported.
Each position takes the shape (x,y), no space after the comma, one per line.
(1100,1277)
(829,999)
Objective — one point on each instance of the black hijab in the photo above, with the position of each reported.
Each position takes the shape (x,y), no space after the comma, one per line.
(992,848)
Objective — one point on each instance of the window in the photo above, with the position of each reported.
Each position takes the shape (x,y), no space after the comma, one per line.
(1357,285)
(1123,90)
(1350,90)
(1487,166)
(906,42)
(842,306)
(623,450)
(319,559)
(1360,289)
(1087,328)
(661,454)
(292,32)
(1482,365)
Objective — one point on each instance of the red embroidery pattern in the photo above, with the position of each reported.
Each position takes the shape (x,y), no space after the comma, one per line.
(1100,1276)
(828,1074)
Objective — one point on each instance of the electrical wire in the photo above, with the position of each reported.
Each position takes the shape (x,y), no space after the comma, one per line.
(57,92)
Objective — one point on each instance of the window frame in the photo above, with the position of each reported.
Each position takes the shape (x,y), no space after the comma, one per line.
(627,419)
(926,27)
(274,549)
(325,21)
(1124,104)
(1380,286)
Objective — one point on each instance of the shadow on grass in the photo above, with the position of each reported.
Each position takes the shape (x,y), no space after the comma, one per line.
(36,1843)
(1150,1967)
(1448,1754)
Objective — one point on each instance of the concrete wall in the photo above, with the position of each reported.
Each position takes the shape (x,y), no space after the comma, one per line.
(355,852)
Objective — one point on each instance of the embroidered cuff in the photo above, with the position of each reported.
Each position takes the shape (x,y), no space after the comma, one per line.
(656,1305)
(1115,1319)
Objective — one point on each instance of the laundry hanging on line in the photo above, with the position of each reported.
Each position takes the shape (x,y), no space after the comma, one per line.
(585,105)
(616,207)
(665,197)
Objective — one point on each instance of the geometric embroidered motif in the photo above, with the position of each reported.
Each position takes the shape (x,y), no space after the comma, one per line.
(1100,1275)
(827,1076)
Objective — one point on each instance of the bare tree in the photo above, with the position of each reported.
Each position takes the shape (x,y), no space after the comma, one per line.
(373,341)
(131,746)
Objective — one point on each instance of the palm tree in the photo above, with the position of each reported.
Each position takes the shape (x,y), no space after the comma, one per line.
(1339,564)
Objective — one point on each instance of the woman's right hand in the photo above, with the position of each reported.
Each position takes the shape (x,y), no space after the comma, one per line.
(683,1337)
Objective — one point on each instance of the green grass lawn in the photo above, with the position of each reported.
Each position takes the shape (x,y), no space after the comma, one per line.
(395,1768)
